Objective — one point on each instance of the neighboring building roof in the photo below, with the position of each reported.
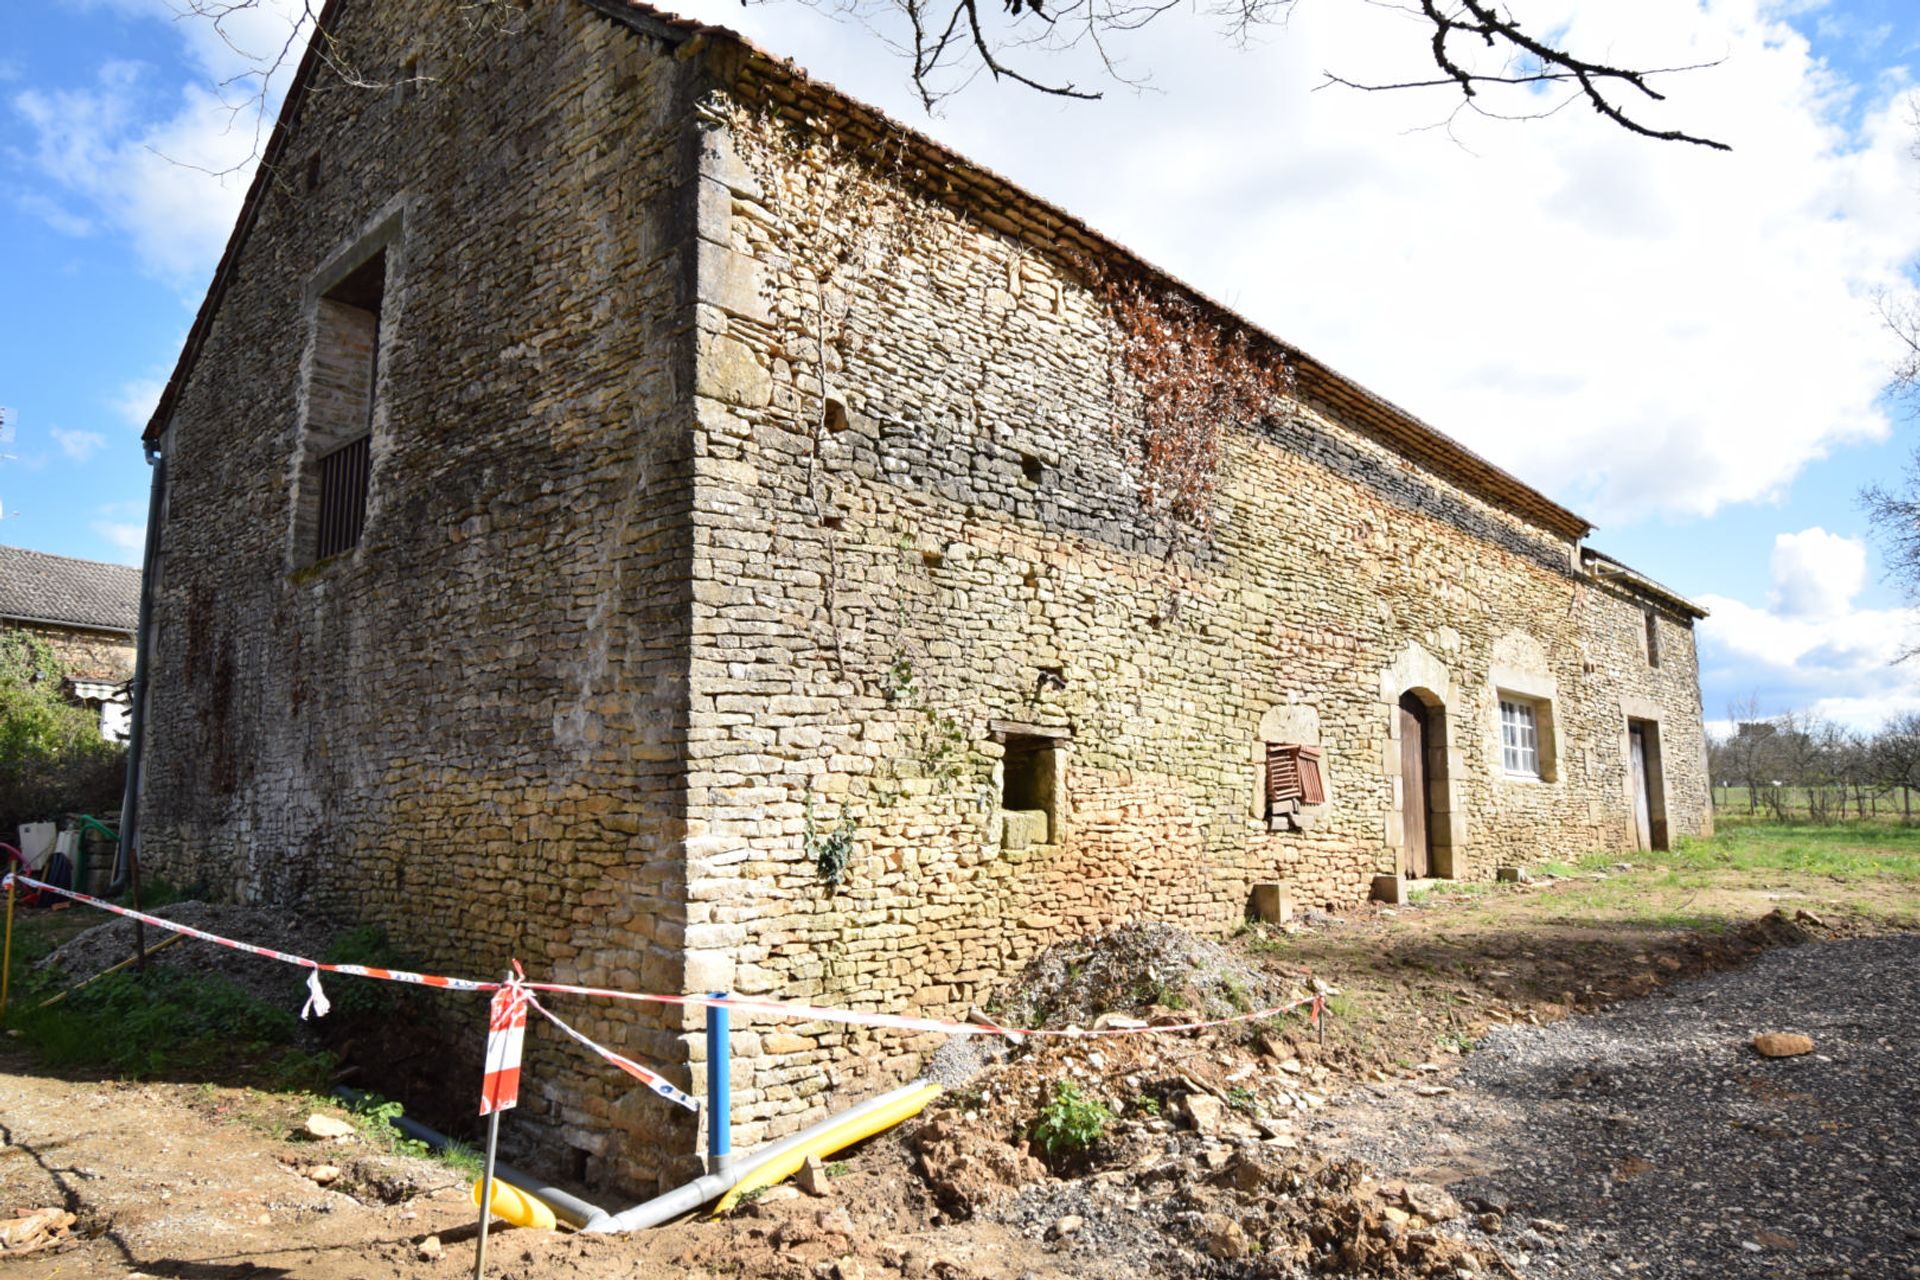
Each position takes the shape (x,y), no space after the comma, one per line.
(1013,209)
(89,594)
(1606,568)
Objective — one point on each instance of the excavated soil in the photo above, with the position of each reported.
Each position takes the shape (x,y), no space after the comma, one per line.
(1268,1149)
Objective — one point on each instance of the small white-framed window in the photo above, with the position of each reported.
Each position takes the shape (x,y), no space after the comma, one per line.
(1519,739)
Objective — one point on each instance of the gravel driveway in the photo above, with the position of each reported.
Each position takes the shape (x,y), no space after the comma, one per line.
(1651,1140)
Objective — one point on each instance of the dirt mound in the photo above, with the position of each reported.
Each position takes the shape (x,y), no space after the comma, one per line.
(107,944)
(1332,1217)
(969,1170)
(1136,968)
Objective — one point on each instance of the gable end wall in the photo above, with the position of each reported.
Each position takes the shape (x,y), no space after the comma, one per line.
(468,730)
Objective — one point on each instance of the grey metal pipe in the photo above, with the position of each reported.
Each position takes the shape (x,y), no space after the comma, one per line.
(567,1207)
(126,865)
(685,1199)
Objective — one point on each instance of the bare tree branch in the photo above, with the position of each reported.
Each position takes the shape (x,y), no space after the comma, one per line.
(948,36)
(1532,62)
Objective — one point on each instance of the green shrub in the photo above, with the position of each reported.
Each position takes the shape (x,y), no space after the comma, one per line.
(52,757)
(368,945)
(1071,1123)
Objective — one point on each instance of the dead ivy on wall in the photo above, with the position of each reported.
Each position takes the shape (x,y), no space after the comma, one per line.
(1181,382)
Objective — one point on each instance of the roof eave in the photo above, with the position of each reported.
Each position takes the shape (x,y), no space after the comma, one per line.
(1641,584)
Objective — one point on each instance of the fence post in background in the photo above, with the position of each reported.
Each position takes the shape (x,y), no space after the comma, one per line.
(719,1088)
(6,964)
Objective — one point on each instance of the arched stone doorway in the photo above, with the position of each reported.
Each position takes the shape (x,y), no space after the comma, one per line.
(1417,694)
(1426,791)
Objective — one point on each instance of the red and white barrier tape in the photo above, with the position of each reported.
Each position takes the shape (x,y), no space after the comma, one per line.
(652,1079)
(316,1000)
(765,1008)
(900,1022)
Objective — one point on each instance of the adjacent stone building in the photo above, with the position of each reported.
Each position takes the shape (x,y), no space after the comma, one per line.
(634,509)
(86,612)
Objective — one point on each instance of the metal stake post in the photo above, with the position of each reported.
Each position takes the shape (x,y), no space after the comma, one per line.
(6,964)
(500,1089)
(486,1195)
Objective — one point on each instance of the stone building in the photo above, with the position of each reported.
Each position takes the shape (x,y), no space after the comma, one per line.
(634,509)
(86,611)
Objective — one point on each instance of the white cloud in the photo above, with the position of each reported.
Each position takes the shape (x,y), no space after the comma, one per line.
(129,540)
(1817,574)
(136,398)
(1635,326)
(78,445)
(1813,648)
(163,165)
(172,188)
(53,213)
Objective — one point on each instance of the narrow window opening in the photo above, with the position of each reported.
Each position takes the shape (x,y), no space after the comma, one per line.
(1030,791)
(340,406)
(1032,469)
(1653,639)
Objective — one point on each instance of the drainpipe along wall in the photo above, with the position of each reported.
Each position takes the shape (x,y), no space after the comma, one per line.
(126,865)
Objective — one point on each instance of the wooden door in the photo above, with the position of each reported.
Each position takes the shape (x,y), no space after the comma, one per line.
(1415,817)
(1642,816)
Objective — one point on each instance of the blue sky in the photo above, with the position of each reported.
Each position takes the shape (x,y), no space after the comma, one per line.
(1679,345)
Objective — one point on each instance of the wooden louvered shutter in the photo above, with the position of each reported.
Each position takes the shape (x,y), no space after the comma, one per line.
(1293,776)
(1283,774)
(1313,789)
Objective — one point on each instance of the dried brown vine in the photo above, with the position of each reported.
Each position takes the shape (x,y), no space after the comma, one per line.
(1181,381)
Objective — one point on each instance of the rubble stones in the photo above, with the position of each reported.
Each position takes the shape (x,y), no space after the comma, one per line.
(1782,1044)
(813,1178)
(1221,1237)
(324,1127)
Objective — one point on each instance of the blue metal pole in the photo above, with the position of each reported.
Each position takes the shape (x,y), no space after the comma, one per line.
(719,1089)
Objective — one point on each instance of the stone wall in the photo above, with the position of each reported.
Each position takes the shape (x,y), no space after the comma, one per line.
(468,730)
(917,531)
(90,655)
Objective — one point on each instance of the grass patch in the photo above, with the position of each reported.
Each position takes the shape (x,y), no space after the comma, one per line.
(1844,851)
(168,1024)
(374,1115)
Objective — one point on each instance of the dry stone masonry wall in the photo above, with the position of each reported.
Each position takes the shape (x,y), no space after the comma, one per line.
(90,655)
(918,538)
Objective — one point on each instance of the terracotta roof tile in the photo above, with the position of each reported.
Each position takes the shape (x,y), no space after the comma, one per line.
(74,593)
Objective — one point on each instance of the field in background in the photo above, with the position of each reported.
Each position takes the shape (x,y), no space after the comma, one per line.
(1835,803)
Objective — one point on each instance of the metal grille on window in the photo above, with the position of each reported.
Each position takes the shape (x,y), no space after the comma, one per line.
(343,497)
(1293,777)
(1519,739)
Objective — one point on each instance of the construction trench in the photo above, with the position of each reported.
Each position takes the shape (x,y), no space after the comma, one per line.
(1247,1149)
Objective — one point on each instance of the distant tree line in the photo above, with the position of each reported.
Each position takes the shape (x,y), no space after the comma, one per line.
(1800,765)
